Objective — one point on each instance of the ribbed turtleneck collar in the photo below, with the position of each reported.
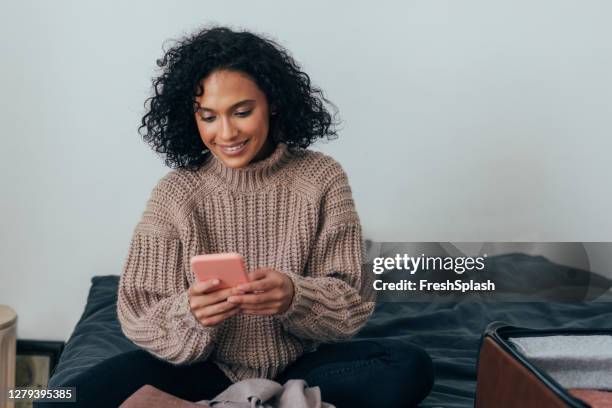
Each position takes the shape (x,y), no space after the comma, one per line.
(252,176)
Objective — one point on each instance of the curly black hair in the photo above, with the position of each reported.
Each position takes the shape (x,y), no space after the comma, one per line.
(169,127)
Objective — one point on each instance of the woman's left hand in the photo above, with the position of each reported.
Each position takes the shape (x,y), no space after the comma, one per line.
(271,292)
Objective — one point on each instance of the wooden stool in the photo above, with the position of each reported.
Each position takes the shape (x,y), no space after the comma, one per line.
(8,344)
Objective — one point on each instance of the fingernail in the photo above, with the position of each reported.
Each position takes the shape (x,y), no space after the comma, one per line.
(242,287)
(215,282)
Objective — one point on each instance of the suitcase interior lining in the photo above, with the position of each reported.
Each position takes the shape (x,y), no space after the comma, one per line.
(574,361)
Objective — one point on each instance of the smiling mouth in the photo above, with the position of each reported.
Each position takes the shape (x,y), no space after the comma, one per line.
(233,149)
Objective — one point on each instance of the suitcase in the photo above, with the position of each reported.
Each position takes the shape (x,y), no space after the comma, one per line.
(541,368)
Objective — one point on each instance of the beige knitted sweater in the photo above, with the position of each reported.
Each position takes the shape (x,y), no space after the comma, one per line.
(292,211)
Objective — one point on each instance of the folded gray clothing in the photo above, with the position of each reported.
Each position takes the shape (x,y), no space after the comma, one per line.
(574,361)
(148,396)
(262,393)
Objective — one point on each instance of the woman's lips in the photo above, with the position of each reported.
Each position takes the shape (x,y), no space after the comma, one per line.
(234,150)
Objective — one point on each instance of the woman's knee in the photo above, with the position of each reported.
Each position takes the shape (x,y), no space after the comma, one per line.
(409,372)
(380,372)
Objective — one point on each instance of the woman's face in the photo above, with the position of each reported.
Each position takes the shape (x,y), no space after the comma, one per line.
(233,118)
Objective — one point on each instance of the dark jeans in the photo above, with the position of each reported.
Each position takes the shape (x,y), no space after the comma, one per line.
(363,373)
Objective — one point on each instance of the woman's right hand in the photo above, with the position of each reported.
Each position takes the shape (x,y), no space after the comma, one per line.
(209,305)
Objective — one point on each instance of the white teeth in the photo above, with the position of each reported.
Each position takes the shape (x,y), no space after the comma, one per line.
(234,148)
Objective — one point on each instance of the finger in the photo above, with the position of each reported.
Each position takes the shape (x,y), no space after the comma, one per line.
(220,295)
(216,319)
(219,308)
(253,298)
(202,287)
(259,285)
(272,299)
(207,299)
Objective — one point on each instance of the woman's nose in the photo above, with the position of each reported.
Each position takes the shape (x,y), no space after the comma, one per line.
(228,130)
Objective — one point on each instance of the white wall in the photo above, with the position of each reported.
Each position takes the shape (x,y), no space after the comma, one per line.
(463,121)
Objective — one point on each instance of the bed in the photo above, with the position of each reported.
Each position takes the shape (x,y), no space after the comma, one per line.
(449,331)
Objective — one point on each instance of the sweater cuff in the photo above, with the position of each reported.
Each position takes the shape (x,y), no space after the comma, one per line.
(182,312)
(304,296)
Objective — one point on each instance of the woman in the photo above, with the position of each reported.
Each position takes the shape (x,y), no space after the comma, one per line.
(233,114)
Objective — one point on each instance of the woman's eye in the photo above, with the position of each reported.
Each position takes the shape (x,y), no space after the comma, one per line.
(243,114)
(208,118)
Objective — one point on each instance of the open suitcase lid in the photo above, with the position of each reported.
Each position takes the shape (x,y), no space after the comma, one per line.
(500,332)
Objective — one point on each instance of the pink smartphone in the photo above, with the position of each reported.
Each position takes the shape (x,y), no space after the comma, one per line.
(228,268)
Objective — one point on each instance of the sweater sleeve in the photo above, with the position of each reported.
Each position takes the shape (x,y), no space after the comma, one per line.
(329,302)
(153,302)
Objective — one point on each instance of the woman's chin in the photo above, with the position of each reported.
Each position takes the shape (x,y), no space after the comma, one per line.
(250,153)
(234,162)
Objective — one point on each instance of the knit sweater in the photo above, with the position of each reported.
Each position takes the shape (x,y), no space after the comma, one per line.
(293,212)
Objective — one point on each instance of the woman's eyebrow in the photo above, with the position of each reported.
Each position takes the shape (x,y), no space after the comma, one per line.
(234,106)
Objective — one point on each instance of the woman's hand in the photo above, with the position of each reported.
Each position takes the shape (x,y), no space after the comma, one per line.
(209,305)
(271,293)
